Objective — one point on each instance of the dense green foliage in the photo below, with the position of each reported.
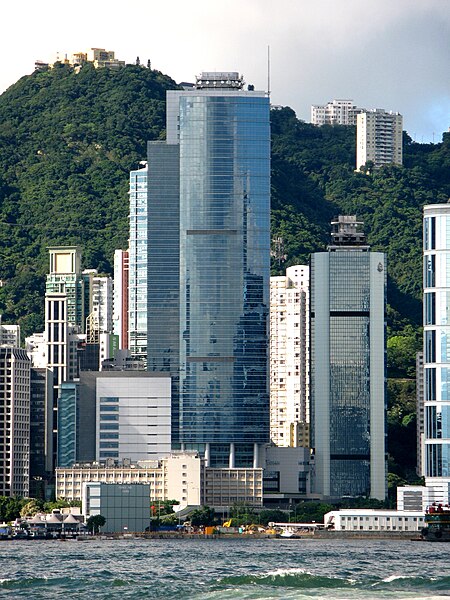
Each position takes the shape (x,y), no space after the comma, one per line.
(14,507)
(68,142)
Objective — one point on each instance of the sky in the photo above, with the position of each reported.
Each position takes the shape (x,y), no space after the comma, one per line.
(391,54)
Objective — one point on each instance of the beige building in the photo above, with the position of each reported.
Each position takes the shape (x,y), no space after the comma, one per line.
(175,477)
(289,357)
(99,57)
(379,138)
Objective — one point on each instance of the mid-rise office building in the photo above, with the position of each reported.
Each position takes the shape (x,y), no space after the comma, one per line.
(15,369)
(436,350)
(348,301)
(289,357)
(379,138)
(114,415)
(138,265)
(208,267)
(336,112)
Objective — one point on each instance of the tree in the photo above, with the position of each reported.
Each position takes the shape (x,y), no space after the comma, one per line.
(203,516)
(95,522)
(243,513)
(31,508)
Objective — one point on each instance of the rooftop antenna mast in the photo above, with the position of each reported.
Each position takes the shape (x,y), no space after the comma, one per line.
(268,70)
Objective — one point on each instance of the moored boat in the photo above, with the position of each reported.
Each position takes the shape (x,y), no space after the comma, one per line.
(437,519)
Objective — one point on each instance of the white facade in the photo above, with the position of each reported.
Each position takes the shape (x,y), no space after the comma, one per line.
(436,350)
(336,112)
(374,520)
(15,372)
(120,304)
(36,347)
(9,335)
(419,498)
(289,356)
(101,293)
(133,417)
(379,138)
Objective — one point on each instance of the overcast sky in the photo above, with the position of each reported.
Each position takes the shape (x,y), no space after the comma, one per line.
(391,54)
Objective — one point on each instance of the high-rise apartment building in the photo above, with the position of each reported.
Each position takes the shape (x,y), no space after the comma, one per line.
(436,350)
(15,369)
(336,112)
(379,138)
(138,265)
(348,299)
(208,267)
(66,309)
(120,317)
(289,357)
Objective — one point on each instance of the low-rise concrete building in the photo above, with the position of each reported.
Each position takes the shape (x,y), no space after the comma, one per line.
(124,507)
(366,519)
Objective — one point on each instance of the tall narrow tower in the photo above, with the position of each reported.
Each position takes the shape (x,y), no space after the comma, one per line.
(436,351)
(208,277)
(348,290)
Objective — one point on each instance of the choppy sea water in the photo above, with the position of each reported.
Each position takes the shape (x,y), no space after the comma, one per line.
(248,569)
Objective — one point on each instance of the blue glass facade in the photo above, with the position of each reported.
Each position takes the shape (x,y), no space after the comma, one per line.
(137,286)
(68,424)
(218,273)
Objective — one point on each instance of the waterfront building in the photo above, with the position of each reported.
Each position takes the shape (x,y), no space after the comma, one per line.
(366,519)
(138,266)
(436,350)
(178,476)
(208,267)
(284,476)
(15,369)
(336,112)
(124,507)
(120,317)
(348,412)
(289,357)
(379,138)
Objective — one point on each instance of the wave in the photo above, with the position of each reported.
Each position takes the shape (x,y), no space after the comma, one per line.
(296,578)
(301,579)
(415,582)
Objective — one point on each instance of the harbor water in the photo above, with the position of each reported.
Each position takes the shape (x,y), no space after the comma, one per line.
(227,569)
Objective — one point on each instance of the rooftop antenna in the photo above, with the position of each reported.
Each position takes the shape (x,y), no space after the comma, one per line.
(268,70)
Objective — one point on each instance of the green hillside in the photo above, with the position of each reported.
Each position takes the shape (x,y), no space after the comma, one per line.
(68,142)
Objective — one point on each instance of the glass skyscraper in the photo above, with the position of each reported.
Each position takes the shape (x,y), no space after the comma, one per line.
(348,365)
(137,282)
(208,277)
(436,321)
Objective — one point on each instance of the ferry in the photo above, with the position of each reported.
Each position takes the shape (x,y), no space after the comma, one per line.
(437,519)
